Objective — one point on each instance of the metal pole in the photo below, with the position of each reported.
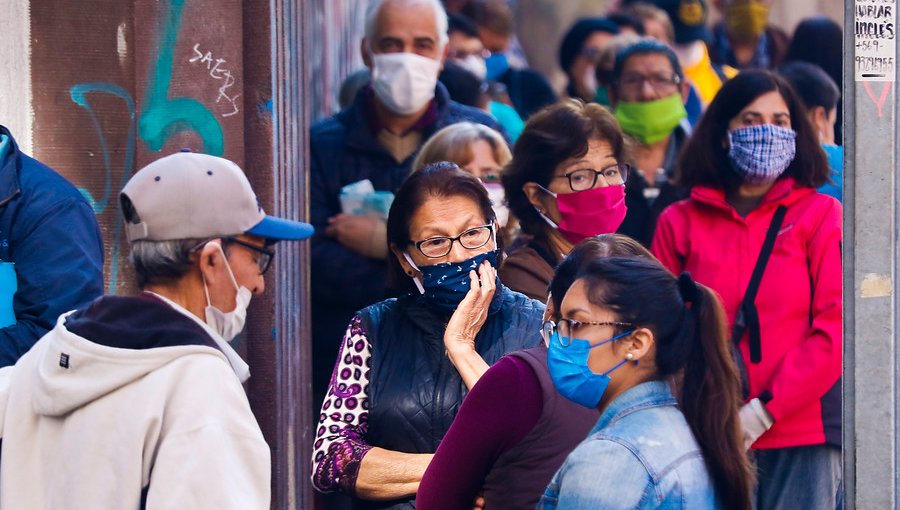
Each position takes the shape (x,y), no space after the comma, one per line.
(870,256)
(290,93)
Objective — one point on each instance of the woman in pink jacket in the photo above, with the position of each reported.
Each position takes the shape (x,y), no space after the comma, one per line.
(756,231)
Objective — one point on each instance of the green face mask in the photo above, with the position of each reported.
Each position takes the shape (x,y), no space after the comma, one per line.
(651,121)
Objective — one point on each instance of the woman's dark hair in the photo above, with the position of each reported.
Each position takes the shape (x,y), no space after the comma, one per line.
(462,24)
(551,136)
(580,31)
(603,245)
(463,86)
(819,40)
(438,180)
(690,333)
(812,85)
(704,159)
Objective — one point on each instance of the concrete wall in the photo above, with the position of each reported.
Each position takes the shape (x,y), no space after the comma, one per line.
(15,80)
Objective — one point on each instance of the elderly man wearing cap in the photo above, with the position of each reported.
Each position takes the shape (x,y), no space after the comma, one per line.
(136,402)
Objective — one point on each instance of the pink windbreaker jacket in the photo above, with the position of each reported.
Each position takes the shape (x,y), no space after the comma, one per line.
(799,299)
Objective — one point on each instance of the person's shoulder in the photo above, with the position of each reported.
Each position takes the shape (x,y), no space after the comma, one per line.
(597,463)
(36,179)
(680,209)
(330,128)
(374,312)
(457,112)
(521,302)
(530,78)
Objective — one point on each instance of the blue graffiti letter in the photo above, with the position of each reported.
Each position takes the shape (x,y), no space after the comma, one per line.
(162,116)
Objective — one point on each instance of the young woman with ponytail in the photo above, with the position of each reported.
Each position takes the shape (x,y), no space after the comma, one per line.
(650,352)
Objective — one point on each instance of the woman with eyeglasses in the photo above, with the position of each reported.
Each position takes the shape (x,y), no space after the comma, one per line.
(651,353)
(405,364)
(565,183)
(756,230)
(482,152)
(514,429)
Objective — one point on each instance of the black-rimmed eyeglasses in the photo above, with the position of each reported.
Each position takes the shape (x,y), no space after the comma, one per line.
(439,246)
(586,178)
(265,255)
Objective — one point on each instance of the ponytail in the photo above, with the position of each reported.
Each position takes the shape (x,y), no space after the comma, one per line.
(710,394)
(690,333)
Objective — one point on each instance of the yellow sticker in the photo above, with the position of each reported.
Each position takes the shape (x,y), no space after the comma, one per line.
(876,285)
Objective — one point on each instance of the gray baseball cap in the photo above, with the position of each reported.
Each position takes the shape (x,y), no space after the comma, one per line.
(189,195)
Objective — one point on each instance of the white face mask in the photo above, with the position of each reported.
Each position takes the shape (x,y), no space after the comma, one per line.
(228,324)
(404,82)
(474,64)
(415,279)
(497,196)
(589,79)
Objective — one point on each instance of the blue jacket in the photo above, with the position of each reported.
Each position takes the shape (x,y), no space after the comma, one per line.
(641,454)
(343,150)
(50,233)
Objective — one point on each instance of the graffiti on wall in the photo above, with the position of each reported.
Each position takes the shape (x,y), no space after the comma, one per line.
(157,120)
(163,116)
(218,71)
(79,94)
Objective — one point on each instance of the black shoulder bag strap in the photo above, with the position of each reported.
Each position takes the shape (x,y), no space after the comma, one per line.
(748,317)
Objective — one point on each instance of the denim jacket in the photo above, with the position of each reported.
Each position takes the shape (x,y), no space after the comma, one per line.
(641,454)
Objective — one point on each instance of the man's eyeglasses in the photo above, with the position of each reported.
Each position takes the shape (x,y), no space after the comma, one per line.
(586,178)
(659,83)
(439,246)
(567,329)
(265,255)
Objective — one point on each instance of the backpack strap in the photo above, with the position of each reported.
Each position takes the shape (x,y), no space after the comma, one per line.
(748,317)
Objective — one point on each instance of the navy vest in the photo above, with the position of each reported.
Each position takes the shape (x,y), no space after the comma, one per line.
(414,390)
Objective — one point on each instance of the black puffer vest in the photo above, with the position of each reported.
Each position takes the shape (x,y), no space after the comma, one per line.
(414,390)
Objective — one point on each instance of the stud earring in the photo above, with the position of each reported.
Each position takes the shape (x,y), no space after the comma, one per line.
(629,356)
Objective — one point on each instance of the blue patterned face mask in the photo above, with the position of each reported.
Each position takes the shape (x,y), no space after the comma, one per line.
(447,283)
(760,154)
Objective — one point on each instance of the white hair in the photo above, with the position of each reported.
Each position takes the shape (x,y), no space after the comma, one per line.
(374,8)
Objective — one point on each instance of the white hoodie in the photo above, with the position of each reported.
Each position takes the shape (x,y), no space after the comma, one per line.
(129,418)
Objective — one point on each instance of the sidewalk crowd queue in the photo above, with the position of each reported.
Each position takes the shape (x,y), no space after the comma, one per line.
(624,294)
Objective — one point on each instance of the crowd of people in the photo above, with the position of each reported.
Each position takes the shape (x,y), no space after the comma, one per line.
(623,295)
(664,222)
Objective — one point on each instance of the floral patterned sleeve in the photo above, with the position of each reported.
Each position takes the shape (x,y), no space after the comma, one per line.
(340,444)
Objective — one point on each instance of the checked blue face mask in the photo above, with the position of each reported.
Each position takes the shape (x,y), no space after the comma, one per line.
(760,154)
(567,359)
(446,284)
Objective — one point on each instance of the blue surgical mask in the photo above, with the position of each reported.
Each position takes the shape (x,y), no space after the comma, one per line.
(570,372)
(445,285)
(496,65)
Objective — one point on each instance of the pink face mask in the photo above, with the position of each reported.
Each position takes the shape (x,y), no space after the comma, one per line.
(589,213)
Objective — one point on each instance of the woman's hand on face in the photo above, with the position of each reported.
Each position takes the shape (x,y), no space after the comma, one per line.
(472,312)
